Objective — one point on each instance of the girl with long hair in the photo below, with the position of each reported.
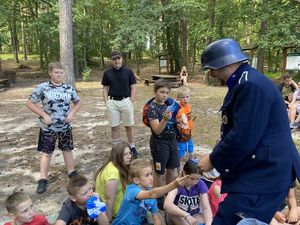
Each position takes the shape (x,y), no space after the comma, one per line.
(111,178)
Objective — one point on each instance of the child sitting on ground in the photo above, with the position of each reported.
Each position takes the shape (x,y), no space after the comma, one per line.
(215,196)
(74,210)
(184,75)
(185,123)
(189,204)
(20,208)
(289,214)
(139,196)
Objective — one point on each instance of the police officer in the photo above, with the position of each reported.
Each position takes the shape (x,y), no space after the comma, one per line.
(256,156)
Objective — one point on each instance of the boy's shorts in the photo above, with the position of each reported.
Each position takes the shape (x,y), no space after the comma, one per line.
(184,147)
(164,154)
(47,140)
(120,110)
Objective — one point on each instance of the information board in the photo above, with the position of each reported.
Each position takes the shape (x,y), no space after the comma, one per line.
(293,61)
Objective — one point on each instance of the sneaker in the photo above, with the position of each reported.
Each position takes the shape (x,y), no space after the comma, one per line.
(72,174)
(42,186)
(134,153)
(294,125)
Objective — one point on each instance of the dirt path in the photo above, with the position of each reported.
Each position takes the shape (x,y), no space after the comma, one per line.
(19,161)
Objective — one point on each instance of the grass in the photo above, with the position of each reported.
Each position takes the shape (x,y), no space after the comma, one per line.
(10,57)
(273,75)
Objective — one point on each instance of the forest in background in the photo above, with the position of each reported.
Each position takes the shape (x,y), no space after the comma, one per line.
(143,29)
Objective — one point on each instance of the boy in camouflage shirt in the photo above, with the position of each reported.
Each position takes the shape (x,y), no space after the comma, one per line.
(55,116)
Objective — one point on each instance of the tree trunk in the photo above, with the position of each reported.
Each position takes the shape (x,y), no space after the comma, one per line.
(66,40)
(184,42)
(211,19)
(23,35)
(14,36)
(261,51)
(170,50)
(283,60)
(176,49)
(277,60)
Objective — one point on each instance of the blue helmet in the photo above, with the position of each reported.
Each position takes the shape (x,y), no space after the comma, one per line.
(222,53)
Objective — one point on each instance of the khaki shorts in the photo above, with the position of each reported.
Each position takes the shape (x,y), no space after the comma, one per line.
(120,111)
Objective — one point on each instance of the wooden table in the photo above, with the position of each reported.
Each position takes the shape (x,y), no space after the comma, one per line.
(174,79)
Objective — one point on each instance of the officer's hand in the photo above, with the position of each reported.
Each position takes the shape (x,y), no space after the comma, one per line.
(280,217)
(205,164)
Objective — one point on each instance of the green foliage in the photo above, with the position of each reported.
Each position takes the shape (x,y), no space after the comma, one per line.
(86,74)
(273,75)
(149,27)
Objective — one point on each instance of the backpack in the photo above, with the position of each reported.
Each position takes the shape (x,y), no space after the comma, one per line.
(174,107)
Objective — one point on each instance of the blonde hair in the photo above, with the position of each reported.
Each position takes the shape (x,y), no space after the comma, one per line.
(57,65)
(182,90)
(136,166)
(14,200)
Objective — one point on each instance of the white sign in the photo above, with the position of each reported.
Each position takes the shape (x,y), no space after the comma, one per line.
(162,63)
(293,61)
(254,62)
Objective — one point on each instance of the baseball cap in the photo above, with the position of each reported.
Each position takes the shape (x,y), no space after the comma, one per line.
(115,53)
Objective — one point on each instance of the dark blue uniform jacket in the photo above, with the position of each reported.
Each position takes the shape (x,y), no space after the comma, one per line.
(256,153)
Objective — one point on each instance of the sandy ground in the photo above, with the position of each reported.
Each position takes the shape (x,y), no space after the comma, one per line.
(19,161)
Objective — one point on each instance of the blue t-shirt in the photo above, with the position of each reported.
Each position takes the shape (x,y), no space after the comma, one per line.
(56,103)
(133,211)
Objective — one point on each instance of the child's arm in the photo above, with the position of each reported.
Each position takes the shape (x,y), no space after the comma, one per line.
(71,115)
(156,219)
(217,191)
(206,209)
(34,107)
(293,83)
(102,219)
(60,222)
(292,216)
(158,126)
(171,208)
(111,187)
(160,191)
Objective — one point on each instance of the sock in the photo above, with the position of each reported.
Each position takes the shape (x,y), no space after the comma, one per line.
(116,141)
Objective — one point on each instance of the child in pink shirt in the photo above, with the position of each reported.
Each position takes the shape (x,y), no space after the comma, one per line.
(215,196)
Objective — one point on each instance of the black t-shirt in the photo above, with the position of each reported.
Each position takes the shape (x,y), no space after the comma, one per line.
(72,214)
(157,111)
(118,81)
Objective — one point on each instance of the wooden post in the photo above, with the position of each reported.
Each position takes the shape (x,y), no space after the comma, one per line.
(159,64)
